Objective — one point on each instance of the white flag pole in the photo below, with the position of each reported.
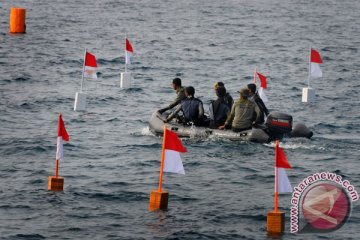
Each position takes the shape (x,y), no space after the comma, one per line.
(255,75)
(125,53)
(82,78)
(309,67)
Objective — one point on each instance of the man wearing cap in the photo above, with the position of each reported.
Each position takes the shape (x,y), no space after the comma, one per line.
(242,113)
(227,98)
(192,108)
(180,95)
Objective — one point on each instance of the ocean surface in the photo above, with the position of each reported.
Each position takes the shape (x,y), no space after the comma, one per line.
(112,160)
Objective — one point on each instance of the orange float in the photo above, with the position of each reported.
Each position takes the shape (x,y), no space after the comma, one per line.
(56,183)
(275,222)
(17,20)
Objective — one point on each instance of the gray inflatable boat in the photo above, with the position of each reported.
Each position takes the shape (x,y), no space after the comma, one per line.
(277,126)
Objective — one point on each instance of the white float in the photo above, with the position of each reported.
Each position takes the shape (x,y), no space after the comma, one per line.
(125,80)
(80,101)
(308,95)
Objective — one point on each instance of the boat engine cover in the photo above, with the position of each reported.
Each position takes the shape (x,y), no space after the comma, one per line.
(279,123)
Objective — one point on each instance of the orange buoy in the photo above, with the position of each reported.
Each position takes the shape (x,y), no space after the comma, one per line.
(275,222)
(158,200)
(56,183)
(17,20)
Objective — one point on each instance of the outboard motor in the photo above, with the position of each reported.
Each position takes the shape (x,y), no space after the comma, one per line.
(278,124)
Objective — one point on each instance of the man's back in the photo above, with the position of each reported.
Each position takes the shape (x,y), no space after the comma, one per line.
(243,112)
(193,110)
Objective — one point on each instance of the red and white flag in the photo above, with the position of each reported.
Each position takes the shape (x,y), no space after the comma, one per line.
(90,66)
(62,136)
(128,51)
(263,86)
(172,149)
(315,61)
(283,183)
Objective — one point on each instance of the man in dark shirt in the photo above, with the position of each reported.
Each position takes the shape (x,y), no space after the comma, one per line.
(227,98)
(219,110)
(261,109)
(191,107)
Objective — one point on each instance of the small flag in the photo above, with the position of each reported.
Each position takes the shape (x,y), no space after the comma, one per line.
(90,66)
(262,80)
(263,86)
(262,95)
(283,183)
(173,147)
(315,61)
(62,136)
(128,51)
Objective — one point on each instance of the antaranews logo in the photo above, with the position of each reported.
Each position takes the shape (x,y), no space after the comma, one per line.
(321,203)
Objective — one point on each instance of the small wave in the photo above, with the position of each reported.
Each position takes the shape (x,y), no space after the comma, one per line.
(124,196)
(143,132)
(287,145)
(27,236)
(133,89)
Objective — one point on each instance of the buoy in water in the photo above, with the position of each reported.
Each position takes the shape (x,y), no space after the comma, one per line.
(80,101)
(308,95)
(17,20)
(125,80)
(158,200)
(56,183)
(275,222)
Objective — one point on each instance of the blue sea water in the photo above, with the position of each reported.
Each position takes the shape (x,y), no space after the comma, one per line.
(112,160)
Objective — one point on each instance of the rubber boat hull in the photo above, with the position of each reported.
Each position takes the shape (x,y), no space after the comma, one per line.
(260,135)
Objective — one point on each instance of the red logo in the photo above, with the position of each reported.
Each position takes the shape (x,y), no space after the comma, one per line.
(326,207)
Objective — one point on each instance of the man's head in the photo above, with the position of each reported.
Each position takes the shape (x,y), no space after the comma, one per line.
(218,84)
(189,91)
(220,92)
(244,93)
(176,83)
(252,88)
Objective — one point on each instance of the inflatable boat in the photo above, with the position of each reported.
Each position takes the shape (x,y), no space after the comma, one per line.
(277,126)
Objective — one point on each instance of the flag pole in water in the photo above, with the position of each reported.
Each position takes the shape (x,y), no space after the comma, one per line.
(125,53)
(170,162)
(159,198)
(162,160)
(82,77)
(89,71)
(80,97)
(254,75)
(276,202)
(308,94)
(309,77)
(276,218)
(56,183)
(125,77)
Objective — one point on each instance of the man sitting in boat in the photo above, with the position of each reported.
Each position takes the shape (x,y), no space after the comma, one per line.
(228,99)
(192,108)
(261,110)
(242,113)
(180,95)
(219,110)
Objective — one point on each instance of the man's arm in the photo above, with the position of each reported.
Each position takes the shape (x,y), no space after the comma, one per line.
(173,114)
(201,111)
(261,105)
